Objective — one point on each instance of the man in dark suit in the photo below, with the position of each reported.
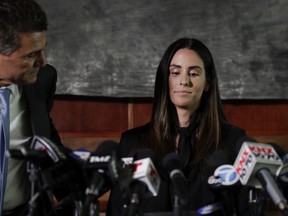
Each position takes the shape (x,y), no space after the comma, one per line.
(31,84)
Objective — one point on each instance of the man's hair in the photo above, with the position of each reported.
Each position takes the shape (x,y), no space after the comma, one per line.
(19,16)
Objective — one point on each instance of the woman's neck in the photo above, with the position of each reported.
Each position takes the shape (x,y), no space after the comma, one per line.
(184,117)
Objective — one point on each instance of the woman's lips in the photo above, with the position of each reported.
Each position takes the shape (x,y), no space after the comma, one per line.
(182,92)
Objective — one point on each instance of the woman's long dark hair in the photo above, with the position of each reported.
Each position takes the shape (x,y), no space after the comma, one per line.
(164,116)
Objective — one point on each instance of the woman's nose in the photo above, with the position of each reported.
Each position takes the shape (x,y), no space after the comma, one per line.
(185,80)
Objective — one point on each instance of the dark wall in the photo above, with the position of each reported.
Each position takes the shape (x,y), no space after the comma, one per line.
(112,48)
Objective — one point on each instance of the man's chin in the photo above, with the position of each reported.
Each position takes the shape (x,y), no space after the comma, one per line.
(31,79)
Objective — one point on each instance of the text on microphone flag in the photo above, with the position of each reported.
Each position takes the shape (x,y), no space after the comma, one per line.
(97,159)
(253,155)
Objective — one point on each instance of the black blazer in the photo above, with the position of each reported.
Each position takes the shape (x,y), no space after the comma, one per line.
(39,99)
(199,193)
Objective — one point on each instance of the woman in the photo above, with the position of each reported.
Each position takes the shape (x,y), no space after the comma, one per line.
(186,99)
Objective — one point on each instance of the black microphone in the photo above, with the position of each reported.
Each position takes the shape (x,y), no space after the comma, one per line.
(222,178)
(145,181)
(220,170)
(31,155)
(56,153)
(48,158)
(173,166)
(46,162)
(41,152)
(100,166)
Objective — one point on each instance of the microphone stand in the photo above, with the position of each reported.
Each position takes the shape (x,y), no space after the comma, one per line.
(33,177)
(90,206)
(177,211)
(256,203)
(134,208)
(36,203)
(94,208)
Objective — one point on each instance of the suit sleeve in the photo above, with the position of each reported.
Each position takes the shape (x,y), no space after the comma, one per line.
(50,101)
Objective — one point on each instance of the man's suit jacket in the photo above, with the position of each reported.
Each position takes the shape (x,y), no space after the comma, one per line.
(39,99)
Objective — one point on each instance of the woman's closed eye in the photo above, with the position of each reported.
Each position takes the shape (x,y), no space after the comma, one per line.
(193,73)
(174,73)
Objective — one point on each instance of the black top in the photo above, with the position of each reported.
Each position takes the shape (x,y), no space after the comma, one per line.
(198,188)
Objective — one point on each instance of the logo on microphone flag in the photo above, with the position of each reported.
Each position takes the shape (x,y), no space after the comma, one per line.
(144,170)
(228,174)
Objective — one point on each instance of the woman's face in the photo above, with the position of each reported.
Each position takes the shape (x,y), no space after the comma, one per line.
(187,80)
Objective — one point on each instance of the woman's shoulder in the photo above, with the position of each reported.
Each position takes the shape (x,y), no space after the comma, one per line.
(231,135)
(232,130)
(132,139)
(136,131)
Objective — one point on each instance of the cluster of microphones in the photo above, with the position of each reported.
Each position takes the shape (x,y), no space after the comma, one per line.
(85,176)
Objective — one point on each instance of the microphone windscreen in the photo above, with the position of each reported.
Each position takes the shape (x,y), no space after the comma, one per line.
(281,152)
(106,147)
(142,153)
(217,159)
(236,149)
(174,168)
(241,140)
(172,161)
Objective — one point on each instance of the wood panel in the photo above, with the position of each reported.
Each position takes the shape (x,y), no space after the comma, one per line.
(259,117)
(90,115)
(88,120)
(141,111)
(109,115)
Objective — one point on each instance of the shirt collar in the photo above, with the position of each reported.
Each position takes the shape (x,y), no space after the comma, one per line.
(12,87)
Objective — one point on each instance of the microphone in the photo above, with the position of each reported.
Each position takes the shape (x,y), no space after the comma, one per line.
(34,156)
(55,152)
(255,164)
(224,173)
(143,170)
(222,176)
(145,180)
(48,166)
(102,164)
(215,209)
(282,172)
(174,167)
(45,155)
(81,155)
(172,164)
(42,152)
